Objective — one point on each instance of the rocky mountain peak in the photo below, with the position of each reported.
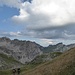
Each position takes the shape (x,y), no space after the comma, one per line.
(23,51)
(60,43)
(4,39)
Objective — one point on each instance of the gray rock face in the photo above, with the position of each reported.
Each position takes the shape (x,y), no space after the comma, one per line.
(23,51)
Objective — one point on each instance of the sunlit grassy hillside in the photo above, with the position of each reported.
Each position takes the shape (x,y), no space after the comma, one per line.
(62,65)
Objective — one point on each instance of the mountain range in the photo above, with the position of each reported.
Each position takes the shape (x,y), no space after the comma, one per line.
(60,47)
(20,52)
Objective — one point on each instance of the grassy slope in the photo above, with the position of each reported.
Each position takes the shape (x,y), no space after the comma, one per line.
(62,65)
(45,57)
(37,61)
(8,59)
(8,62)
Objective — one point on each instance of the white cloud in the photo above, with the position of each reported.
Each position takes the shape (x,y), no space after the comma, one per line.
(11,3)
(15,33)
(22,17)
(46,13)
(45,42)
(10,34)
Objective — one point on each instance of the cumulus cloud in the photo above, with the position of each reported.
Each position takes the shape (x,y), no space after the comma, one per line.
(46,13)
(48,19)
(51,19)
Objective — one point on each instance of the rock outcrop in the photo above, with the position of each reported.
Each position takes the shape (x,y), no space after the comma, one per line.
(23,51)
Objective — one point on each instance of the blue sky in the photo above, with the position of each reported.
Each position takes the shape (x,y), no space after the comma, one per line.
(5,14)
(43,21)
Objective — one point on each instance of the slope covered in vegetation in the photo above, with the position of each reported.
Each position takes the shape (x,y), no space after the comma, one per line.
(62,65)
(7,62)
